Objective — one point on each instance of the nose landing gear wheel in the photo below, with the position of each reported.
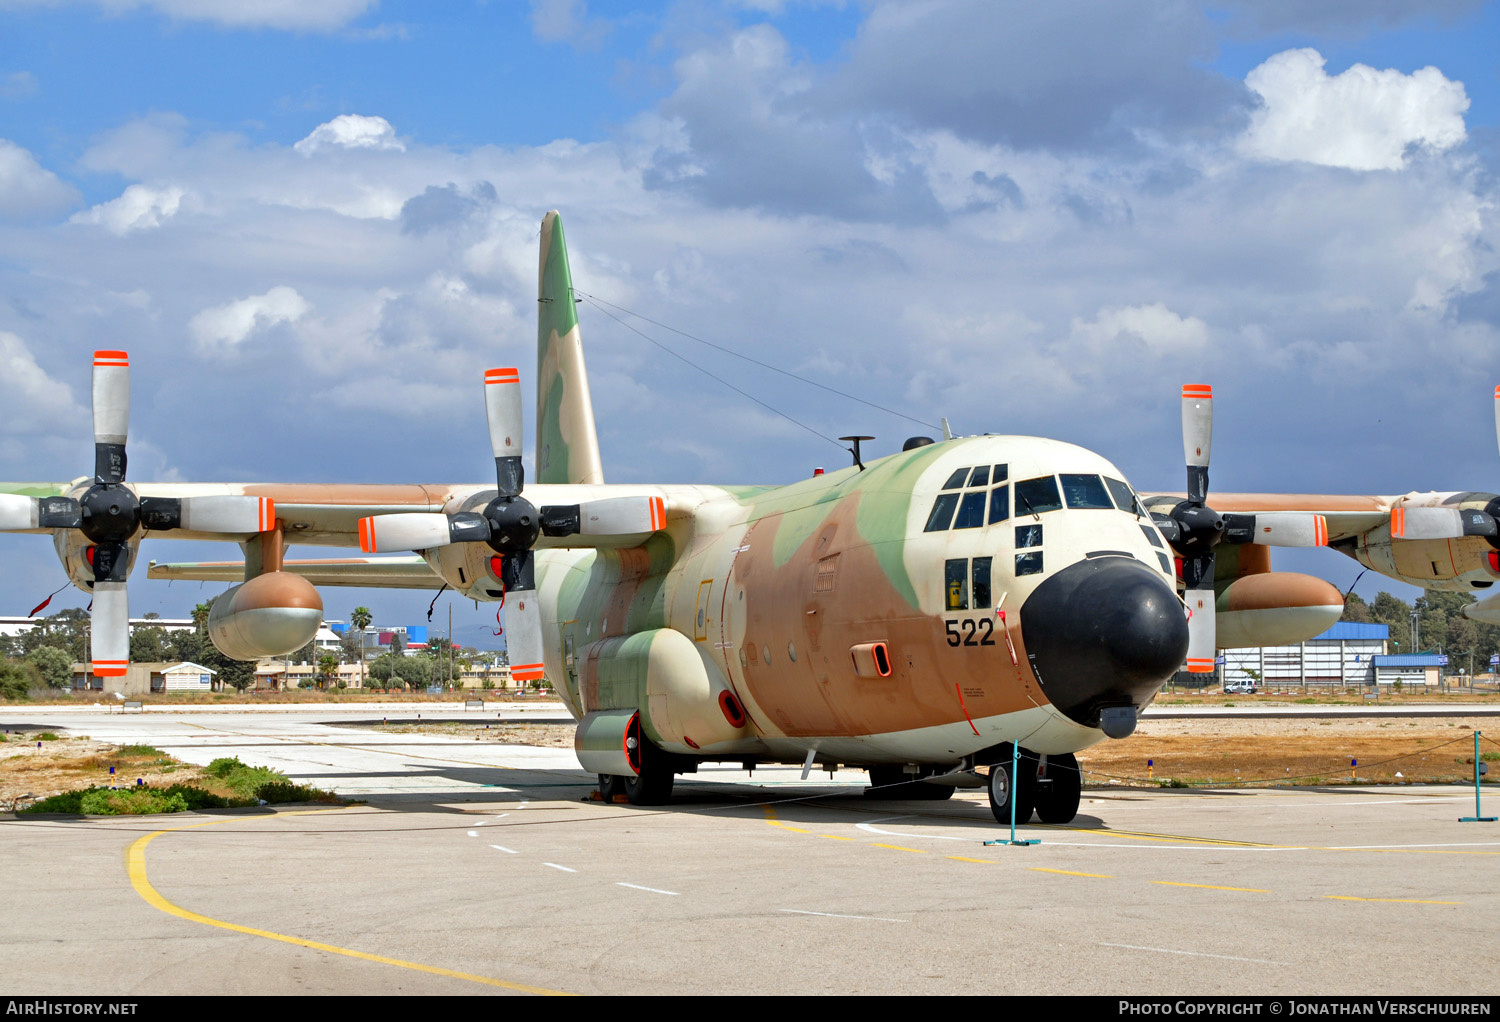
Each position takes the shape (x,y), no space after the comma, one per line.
(1003,788)
(652,786)
(610,785)
(1058,796)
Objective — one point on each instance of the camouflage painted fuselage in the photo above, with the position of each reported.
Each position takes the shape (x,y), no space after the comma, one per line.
(764,592)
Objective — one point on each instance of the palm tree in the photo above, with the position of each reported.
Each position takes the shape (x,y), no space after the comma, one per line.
(361,619)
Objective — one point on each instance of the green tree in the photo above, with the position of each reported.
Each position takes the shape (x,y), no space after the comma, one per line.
(360,619)
(148,645)
(53,664)
(1355,609)
(200,615)
(17,679)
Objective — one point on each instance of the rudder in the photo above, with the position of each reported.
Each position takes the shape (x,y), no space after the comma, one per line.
(567,443)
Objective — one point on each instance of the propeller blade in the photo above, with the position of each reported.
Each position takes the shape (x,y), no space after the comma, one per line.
(523,621)
(111,414)
(109,620)
(420,530)
(1285,529)
(225,514)
(1439,523)
(17,512)
(1197,437)
(611,516)
(1497,413)
(502,409)
(1201,636)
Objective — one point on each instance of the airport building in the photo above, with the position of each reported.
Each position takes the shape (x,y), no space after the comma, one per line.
(1349,654)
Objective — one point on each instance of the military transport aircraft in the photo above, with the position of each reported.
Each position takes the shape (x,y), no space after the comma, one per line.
(919,615)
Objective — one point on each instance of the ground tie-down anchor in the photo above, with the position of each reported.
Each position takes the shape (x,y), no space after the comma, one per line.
(1479,771)
(1015,773)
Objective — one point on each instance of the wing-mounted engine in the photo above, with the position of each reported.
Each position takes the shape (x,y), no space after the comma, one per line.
(1433,539)
(508,527)
(98,525)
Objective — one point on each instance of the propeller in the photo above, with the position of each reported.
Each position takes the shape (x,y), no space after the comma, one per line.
(1194,528)
(109,514)
(1450,522)
(510,524)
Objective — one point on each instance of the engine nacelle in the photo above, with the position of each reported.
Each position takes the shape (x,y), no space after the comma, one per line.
(270,615)
(73,550)
(1275,608)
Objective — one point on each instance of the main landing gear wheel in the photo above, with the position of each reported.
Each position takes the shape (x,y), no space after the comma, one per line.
(1059,789)
(610,785)
(1003,788)
(888,780)
(652,786)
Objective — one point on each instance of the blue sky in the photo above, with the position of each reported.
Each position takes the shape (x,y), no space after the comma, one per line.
(312,223)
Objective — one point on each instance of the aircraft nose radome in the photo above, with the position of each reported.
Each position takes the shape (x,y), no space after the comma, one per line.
(1103,632)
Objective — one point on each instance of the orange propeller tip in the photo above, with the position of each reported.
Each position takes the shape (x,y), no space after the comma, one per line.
(1199,390)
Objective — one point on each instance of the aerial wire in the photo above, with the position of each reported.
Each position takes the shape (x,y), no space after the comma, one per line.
(600,302)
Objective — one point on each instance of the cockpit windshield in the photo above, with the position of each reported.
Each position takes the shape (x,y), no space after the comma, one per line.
(1036,496)
(1085,492)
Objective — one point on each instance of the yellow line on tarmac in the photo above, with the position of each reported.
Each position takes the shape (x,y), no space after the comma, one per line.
(1069,872)
(965,858)
(135,859)
(1211,887)
(1398,901)
(899,848)
(1173,837)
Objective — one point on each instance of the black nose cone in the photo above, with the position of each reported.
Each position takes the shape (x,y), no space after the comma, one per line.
(1103,632)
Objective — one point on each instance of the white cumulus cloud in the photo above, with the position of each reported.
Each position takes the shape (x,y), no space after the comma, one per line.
(27,189)
(1160,329)
(34,401)
(351,131)
(1363,119)
(291,15)
(225,327)
(138,208)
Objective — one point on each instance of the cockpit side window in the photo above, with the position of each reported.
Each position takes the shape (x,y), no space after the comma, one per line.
(999,504)
(1086,492)
(971,511)
(942,513)
(1037,496)
(1125,498)
(956,480)
(980,476)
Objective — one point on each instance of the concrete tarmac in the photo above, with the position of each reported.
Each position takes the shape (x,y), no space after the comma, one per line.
(475,867)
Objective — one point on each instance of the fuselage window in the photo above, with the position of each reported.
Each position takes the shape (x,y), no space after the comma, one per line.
(1086,492)
(1035,496)
(982,566)
(1028,536)
(1166,563)
(956,480)
(980,476)
(1125,498)
(1029,563)
(957,584)
(999,503)
(1151,535)
(942,513)
(971,511)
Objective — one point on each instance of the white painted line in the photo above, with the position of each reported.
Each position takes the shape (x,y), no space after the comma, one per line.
(565,869)
(870,828)
(507,851)
(473,833)
(835,915)
(653,890)
(1195,954)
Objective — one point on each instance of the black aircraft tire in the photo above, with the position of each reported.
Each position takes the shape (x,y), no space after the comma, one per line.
(1057,802)
(653,785)
(1002,790)
(610,785)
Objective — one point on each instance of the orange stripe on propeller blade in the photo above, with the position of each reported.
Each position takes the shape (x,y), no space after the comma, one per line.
(1199,390)
(1398,522)
(367,535)
(502,376)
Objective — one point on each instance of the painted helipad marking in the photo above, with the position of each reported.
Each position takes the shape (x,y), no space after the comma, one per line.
(1195,954)
(836,915)
(638,887)
(135,861)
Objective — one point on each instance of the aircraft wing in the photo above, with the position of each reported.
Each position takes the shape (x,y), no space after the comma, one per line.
(397,571)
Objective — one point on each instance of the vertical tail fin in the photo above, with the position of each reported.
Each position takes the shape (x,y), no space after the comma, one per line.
(567,445)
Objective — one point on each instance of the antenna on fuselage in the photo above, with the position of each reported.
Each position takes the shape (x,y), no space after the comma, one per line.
(855,449)
(947,430)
